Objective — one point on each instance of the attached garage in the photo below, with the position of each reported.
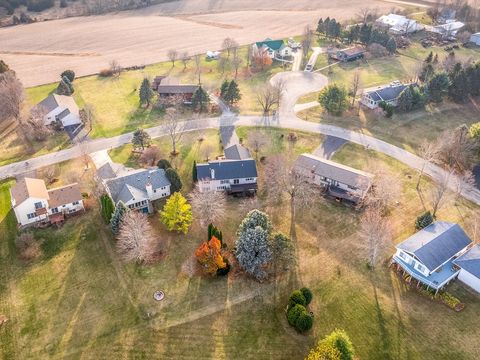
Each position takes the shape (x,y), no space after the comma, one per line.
(469,264)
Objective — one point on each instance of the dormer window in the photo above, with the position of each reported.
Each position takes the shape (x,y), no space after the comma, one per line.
(38,205)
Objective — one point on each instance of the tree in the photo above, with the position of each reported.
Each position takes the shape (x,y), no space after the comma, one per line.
(136,239)
(150,156)
(334,99)
(364,14)
(428,152)
(234,94)
(115,68)
(391,45)
(283,252)
(174,127)
(146,92)
(423,220)
(256,141)
(177,213)
(236,62)
(117,216)
(107,208)
(185,59)
(386,188)
(411,98)
(261,58)
(198,69)
(336,346)
(175,181)
(427,72)
(3,67)
(438,194)
(34,127)
(376,233)
(164,164)
(69,74)
(455,149)
(172,56)
(356,83)
(474,131)
(65,87)
(429,58)
(306,43)
(387,108)
(209,255)
(269,96)
(141,139)
(229,44)
(253,251)
(11,96)
(213,231)
(437,87)
(208,206)
(253,219)
(87,115)
(200,99)
(27,247)
(194,172)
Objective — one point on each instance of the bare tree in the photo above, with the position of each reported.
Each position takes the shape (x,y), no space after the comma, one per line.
(376,235)
(364,14)
(306,43)
(249,56)
(150,156)
(256,141)
(135,240)
(428,152)
(84,148)
(229,44)
(206,150)
(222,63)
(355,86)
(34,127)
(50,173)
(208,206)
(174,127)
(115,68)
(172,56)
(474,225)
(185,59)
(236,62)
(270,96)
(198,69)
(439,193)
(455,149)
(11,97)
(88,116)
(386,188)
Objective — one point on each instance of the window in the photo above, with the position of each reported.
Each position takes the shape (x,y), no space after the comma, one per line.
(31,216)
(38,205)
(420,267)
(236,181)
(76,202)
(223,181)
(55,210)
(403,256)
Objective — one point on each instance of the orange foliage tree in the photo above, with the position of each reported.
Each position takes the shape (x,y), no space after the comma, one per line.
(208,254)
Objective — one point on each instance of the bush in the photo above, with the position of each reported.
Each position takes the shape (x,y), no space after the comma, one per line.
(294,313)
(449,300)
(297,297)
(387,108)
(307,293)
(224,271)
(27,247)
(69,74)
(304,322)
(175,181)
(336,346)
(164,164)
(333,98)
(423,220)
(105,73)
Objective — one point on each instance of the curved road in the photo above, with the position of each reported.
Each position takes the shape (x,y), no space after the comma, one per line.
(287,119)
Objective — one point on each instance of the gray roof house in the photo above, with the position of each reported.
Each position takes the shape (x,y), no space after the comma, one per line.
(429,255)
(389,93)
(60,108)
(339,181)
(138,189)
(469,264)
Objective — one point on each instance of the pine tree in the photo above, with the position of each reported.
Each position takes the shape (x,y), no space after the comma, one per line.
(69,74)
(117,216)
(200,99)
(194,171)
(146,92)
(233,93)
(320,26)
(437,87)
(224,90)
(107,208)
(175,181)
(391,45)
(65,87)
(3,67)
(141,139)
(177,213)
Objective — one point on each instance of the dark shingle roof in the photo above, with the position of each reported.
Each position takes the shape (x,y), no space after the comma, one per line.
(387,93)
(130,186)
(436,244)
(470,261)
(177,89)
(227,169)
(237,152)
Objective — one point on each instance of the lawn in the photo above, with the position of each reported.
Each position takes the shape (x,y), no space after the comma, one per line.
(78,301)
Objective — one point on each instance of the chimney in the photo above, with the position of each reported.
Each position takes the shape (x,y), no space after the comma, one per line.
(149,189)
(212,174)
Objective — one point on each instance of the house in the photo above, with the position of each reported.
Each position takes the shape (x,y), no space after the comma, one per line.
(60,108)
(429,256)
(339,181)
(32,203)
(346,55)
(138,189)
(398,24)
(167,86)
(276,49)
(447,30)
(475,38)
(372,97)
(232,176)
(469,264)
(237,152)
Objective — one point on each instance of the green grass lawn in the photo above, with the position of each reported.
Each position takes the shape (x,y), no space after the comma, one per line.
(76,300)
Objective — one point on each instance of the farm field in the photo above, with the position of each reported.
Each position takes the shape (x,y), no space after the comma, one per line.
(88,44)
(77,300)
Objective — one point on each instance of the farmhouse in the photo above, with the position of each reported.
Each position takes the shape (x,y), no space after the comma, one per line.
(398,24)
(346,55)
(33,203)
(429,255)
(232,176)
(469,264)
(169,86)
(339,181)
(138,189)
(276,49)
(389,93)
(60,108)
(475,38)
(447,30)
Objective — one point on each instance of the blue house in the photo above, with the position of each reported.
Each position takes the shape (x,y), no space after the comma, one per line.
(429,255)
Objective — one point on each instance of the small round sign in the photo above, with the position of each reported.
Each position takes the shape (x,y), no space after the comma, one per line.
(158,295)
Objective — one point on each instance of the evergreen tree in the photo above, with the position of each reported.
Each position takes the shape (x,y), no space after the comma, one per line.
(69,74)
(429,58)
(164,164)
(391,45)
(336,346)
(194,171)
(177,213)
(141,139)
(3,67)
(411,98)
(200,99)
(437,87)
(253,251)
(321,26)
(107,208)
(117,216)
(224,89)
(146,92)
(233,92)
(365,33)
(65,87)
(458,90)
(435,59)
(175,181)
(427,72)
(334,99)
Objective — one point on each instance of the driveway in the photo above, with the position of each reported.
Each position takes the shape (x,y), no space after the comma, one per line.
(329,147)
(313,58)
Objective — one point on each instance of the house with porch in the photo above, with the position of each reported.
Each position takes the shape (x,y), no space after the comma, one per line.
(138,189)
(434,254)
(60,108)
(33,204)
(339,181)
(275,49)
(345,55)
(372,97)
(167,86)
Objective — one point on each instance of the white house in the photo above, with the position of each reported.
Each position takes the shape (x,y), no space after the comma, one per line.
(475,38)
(447,30)
(60,108)
(469,264)
(339,181)
(138,189)
(275,49)
(429,255)
(232,176)
(372,97)
(399,24)
(33,203)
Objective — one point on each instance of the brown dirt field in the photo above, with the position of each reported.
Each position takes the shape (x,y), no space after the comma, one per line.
(38,51)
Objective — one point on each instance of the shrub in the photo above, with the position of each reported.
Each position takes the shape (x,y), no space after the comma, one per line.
(307,293)
(334,99)
(304,322)
(175,181)
(474,130)
(387,108)
(336,346)
(105,73)
(294,313)
(164,164)
(449,300)
(27,247)
(107,208)
(69,74)
(297,297)
(423,220)
(224,271)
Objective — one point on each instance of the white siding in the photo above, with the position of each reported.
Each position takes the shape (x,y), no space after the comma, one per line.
(70,119)
(221,185)
(28,207)
(469,280)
